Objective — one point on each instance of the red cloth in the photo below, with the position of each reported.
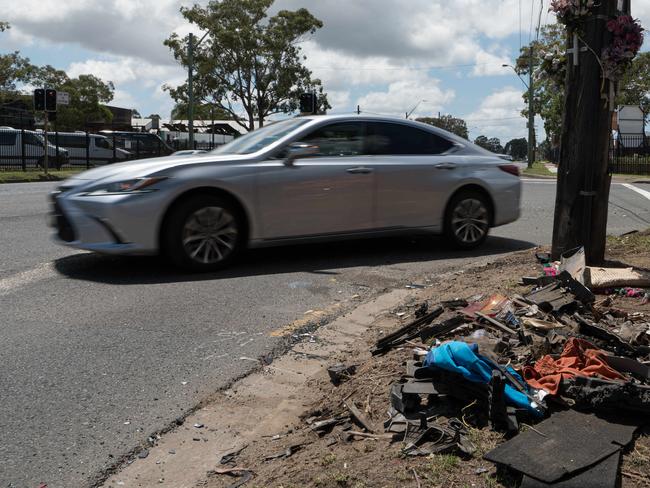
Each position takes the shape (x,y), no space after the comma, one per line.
(579,357)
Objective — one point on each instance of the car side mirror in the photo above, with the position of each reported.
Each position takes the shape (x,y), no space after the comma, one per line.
(297,150)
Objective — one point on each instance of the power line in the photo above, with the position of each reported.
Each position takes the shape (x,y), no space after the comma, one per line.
(407,68)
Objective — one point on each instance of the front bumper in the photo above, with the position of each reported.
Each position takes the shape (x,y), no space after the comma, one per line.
(120,224)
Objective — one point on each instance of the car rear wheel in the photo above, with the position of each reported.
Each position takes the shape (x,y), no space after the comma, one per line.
(203,233)
(467,220)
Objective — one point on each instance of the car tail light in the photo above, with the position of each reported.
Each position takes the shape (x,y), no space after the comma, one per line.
(513,169)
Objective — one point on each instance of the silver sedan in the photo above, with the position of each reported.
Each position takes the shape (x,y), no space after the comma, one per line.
(297,180)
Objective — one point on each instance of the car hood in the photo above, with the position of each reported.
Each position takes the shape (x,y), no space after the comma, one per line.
(145,167)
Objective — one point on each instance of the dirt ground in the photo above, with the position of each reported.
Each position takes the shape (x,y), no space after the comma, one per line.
(333,461)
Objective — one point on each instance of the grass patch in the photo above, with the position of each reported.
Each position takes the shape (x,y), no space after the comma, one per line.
(635,243)
(538,169)
(442,465)
(37,175)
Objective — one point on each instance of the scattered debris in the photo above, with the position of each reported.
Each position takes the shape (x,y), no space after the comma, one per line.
(143,454)
(230,456)
(340,372)
(288,452)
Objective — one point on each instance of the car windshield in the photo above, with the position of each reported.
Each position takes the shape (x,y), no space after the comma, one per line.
(260,138)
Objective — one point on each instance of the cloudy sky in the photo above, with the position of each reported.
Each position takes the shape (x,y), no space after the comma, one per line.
(383,55)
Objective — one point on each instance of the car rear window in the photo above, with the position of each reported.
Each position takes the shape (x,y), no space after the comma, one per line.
(384,138)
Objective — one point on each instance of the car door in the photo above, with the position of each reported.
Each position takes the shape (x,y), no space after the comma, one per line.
(415,173)
(330,192)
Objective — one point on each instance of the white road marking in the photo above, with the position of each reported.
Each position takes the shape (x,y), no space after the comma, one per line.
(644,193)
(38,273)
(536,180)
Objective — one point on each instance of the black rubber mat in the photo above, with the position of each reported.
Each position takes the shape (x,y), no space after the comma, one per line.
(566,442)
(601,475)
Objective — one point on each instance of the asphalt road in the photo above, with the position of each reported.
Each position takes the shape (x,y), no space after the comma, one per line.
(98,352)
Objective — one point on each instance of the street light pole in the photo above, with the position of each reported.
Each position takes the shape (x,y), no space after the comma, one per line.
(531,114)
(190,85)
(408,114)
(190,89)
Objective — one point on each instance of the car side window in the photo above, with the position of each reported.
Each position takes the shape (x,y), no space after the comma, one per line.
(102,143)
(32,140)
(340,139)
(384,138)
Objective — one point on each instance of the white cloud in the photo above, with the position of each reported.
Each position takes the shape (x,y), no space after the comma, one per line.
(124,70)
(124,99)
(401,96)
(123,27)
(488,64)
(499,115)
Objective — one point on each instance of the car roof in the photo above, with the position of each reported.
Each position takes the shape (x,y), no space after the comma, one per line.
(79,134)
(397,120)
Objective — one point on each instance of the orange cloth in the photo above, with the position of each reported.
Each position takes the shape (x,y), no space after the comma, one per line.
(579,357)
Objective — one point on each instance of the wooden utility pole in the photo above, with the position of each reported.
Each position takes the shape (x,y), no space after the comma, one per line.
(583,180)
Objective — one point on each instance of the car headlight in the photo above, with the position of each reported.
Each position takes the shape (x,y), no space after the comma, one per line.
(137,185)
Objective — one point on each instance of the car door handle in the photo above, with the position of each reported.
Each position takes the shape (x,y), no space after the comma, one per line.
(446,165)
(360,170)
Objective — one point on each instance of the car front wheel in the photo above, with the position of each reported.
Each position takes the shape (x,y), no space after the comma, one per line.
(203,233)
(467,220)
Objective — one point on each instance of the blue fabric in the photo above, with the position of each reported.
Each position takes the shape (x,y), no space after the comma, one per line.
(462,358)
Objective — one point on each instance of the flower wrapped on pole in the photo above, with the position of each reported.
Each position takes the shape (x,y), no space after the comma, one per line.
(627,38)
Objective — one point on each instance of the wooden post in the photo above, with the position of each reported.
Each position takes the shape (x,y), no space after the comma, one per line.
(583,181)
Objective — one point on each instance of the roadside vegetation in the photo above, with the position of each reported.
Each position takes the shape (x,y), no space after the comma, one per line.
(37,175)
(539,169)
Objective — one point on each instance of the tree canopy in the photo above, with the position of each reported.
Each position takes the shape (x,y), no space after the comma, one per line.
(549,72)
(248,61)
(517,148)
(635,84)
(202,111)
(452,124)
(492,144)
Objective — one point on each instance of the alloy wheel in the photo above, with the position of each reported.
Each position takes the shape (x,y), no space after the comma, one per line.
(469,220)
(209,235)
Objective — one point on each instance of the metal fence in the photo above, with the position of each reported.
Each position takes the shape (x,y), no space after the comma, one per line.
(630,155)
(23,149)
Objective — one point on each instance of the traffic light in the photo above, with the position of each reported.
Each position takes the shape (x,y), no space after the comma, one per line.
(308,103)
(39,99)
(50,100)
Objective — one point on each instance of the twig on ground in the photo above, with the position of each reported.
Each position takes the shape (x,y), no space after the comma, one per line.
(534,429)
(635,475)
(417,479)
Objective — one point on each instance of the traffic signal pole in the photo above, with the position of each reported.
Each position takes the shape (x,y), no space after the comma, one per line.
(45,145)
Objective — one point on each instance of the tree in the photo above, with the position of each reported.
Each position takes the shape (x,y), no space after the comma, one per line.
(549,70)
(447,122)
(517,148)
(248,61)
(635,84)
(481,141)
(202,111)
(493,144)
(87,96)
(135,114)
(549,60)
(14,70)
